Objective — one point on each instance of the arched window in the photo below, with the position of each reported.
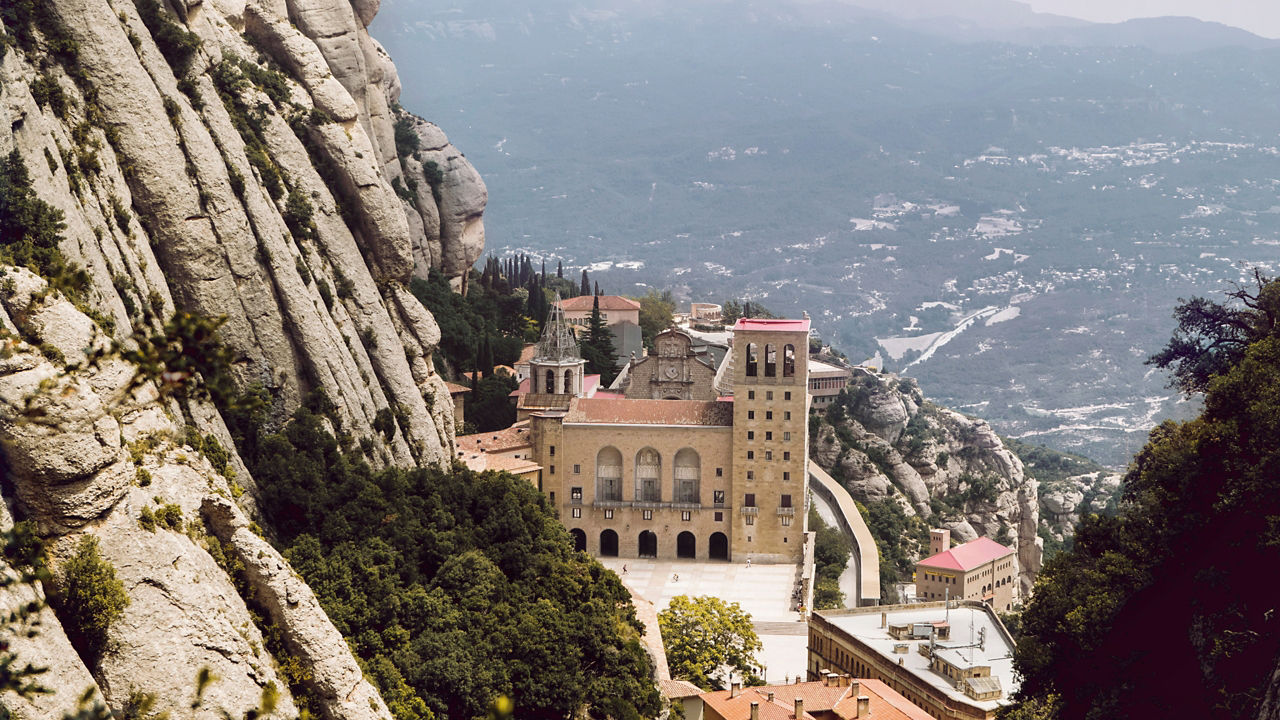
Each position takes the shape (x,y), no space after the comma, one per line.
(770,361)
(788,360)
(609,475)
(753,359)
(568,382)
(688,476)
(648,476)
(550,387)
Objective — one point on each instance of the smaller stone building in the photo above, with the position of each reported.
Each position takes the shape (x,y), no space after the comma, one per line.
(614,309)
(981,569)
(674,371)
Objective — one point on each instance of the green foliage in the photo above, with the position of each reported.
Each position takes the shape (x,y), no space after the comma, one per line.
(407,141)
(147,519)
(176,43)
(657,312)
(230,80)
(24,555)
(121,214)
(704,636)
(298,215)
(88,598)
(831,553)
(453,588)
(898,541)
(169,516)
(31,229)
(489,406)
(1200,517)
(464,321)
(597,347)
(47,92)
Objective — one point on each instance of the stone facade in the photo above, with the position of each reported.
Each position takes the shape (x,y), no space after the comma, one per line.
(981,569)
(687,478)
(673,371)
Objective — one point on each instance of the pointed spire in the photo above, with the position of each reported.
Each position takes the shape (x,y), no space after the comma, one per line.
(558,343)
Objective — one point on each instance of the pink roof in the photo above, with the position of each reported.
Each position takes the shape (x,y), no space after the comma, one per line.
(612,411)
(968,556)
(772,325)
(522,389)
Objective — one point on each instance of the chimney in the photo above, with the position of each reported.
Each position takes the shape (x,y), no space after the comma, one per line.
(884,620)
(939,540)
(853,688)
(755,711)
(799,708)
(735,688)
(864,706)
(845,679)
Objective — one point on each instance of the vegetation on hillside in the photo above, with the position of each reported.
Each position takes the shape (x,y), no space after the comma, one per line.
(1159,610)
(831,552)
(452,587)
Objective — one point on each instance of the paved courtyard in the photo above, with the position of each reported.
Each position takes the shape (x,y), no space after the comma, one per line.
(764,591)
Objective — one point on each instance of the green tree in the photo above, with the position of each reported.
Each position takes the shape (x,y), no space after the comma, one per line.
(1199,518)
(597,348)
(657,311)
(831,552)
(730,311)
(88,598)
(703,635)
(585,288)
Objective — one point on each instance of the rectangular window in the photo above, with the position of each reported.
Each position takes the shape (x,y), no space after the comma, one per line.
(717,497)
(751,414)
(784,501)
(553,451)
(786,395)
(768,435)
(719,472)
(749,500)
(686,516)
(575,493)
(648,514)
(719,517)
(751,520)
(787,415)
(786,454)
(768,395)
(786,520)
(553,469)
(751,454)
(751,394)
(577,469)
(786,437)
(577,512)
(768,454)
(768,415)
(553,497)
(751,434)
(608,514)
(786,476)
(751,474)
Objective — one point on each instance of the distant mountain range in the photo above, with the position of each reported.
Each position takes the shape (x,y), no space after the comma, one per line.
(1010,223)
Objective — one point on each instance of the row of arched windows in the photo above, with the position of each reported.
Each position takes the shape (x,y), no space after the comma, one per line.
(771,360)
(686,470)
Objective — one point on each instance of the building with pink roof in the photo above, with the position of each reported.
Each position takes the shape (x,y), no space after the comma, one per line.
(980,569)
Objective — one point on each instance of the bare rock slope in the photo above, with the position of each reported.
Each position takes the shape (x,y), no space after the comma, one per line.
(889,444)
(244,159)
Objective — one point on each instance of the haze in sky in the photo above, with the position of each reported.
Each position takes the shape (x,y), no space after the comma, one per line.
(1261,17)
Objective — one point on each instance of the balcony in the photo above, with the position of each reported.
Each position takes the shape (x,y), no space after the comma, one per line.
(750,510)
(788,511)
(647,505)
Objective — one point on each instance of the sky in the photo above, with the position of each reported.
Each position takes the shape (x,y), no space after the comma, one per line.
(1261,17)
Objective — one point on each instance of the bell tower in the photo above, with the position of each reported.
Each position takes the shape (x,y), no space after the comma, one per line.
(557,365)
(770,438)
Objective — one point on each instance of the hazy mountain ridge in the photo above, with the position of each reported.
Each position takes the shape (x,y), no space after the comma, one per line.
(786,176)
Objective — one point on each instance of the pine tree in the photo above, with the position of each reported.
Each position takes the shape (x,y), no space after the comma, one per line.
(586,285)
(598,349)
(542,277)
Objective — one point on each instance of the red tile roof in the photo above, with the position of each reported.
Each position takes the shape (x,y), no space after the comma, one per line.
(968,556)
(456,389)
(772,325)
(514,437)
(607,302)
(886,703)
(613,411)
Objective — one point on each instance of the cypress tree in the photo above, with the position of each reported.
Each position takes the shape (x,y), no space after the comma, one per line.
(598,349)
(586,285)
(559,269)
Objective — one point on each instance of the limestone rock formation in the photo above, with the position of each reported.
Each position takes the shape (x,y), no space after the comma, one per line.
(243,159)
(893,445)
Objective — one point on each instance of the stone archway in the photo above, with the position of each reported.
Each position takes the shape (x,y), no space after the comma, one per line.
(648,544)
(718,548)
(579,540)
(686,545)
(608,543)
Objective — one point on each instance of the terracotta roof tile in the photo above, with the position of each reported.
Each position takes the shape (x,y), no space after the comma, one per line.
(613,411)
(967,556)
(455,388)
(607,302)
(479,462)
(885,702)
(516,436)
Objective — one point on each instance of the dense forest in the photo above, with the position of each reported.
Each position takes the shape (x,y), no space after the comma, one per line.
(1164,608)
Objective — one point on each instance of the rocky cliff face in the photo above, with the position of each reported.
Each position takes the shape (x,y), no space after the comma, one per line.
(233,158)
(887,443)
